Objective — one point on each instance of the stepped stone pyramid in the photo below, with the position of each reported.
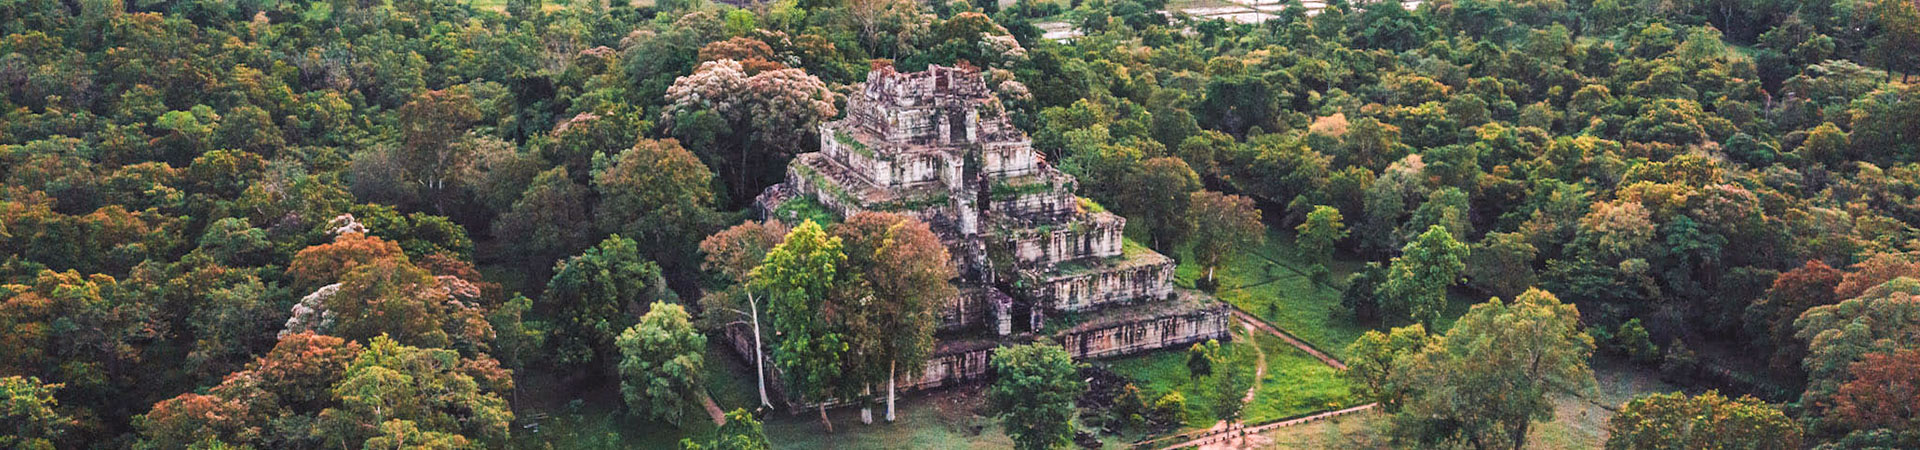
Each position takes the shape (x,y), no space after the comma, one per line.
(1035,259)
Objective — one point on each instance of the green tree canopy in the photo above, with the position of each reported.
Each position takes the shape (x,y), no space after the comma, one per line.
(1033,393)
(1416,284)
(1679,421)
(1494,373)
(662,367)
(590,296)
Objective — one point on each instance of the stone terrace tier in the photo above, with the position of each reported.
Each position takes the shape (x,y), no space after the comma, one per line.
(1136,275)
(1184,318)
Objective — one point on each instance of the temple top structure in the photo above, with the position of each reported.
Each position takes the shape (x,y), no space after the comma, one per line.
(940,106)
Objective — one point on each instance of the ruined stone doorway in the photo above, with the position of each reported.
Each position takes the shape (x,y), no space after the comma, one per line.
(956,125)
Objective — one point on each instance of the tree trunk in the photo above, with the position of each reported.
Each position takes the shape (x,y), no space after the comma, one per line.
(759,360)
(891,385)
(866,404)
(1520,435)
(823,417)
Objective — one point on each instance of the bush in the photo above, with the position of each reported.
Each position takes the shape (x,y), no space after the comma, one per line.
(1630,340)
(1680,363)
(1320,274)
(1171,409)
(1129,409)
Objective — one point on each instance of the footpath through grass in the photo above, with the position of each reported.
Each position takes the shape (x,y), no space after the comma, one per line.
(1295,383)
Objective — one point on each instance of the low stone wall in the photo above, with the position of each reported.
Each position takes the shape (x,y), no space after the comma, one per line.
(953,368)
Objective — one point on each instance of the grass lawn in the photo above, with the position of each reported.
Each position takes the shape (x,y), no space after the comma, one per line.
(599,421)
(1295,383)
(1160,372)
(729,379)
(948,419)
(1577,422)
(1271,281)
(597,427)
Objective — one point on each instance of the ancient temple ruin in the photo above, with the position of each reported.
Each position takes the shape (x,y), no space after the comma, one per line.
(1035,259)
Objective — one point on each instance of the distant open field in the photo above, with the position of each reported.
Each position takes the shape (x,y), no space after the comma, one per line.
(1577,422)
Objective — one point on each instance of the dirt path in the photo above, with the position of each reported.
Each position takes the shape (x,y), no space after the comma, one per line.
(1262,325)
(713,410)
(1259,371)
(1220,437)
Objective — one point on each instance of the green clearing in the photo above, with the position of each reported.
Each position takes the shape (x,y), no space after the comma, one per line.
(948,419)
(1272,282)
(1295,383)
(801,209)
(1157,373)
(1577,423)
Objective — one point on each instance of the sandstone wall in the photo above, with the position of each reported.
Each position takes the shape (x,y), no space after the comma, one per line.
(1135,337)
(1080,240)
(972,308)
(1082,289)
(951,369)
(1009,159)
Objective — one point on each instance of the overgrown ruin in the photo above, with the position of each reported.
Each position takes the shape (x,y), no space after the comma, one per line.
(1034,259)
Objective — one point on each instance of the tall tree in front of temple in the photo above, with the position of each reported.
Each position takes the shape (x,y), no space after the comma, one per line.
(733,253)
(907,270)
(799,276)
(1034,393)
